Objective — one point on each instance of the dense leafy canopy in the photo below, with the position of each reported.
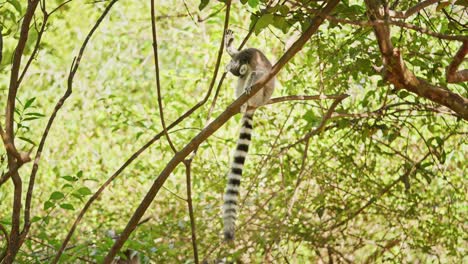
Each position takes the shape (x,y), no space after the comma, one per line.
(377,176)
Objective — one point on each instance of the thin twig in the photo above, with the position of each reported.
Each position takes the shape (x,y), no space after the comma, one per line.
(399,24)
(1,47)
(188,170)
(158,83)
(413,10)
(305,98)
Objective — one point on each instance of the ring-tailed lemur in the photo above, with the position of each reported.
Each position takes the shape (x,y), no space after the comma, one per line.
(249,65)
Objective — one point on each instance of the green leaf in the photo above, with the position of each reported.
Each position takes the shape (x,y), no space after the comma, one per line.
(70,178)
(67,185)
(203,4)
(84,191)
(35,114)
(29,102)
(280,23)
(67,206)
(311,118)
(35,219)
(284,10)
(402,94)
(56,196)
(263,22)
(28,140)
(30,118)
(16,4)
(462,3)
(138,135)
(320,211)
(78,196)
(253,3)
(48,204)
(79,174)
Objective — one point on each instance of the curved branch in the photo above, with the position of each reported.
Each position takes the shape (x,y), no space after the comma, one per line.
(413,10)
(13,87)
(158,83)
(461,76)
(401,77)
(398,24)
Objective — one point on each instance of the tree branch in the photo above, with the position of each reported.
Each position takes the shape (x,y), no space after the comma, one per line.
(13,87)
(213,126)
(306,98)
(158,84)
(15,159)
(413,10)
(398,24)
(1,45)
(401,77)
(188,178)
(461,76)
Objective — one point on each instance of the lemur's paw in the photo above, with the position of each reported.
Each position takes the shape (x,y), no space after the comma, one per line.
(229,35)
(248,89)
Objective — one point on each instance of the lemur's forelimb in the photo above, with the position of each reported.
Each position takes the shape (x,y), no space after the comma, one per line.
(229,39)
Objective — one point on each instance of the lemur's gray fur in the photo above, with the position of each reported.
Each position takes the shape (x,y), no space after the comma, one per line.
(249,65)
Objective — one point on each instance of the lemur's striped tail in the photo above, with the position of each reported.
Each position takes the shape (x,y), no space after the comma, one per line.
(234,177)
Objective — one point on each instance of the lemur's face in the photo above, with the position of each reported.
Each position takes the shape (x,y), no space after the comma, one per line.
(234,67)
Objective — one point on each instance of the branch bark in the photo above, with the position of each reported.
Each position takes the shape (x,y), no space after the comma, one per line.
(454,76)
(401,77)
(15,159)
(158,84)
(13,87)
(413,10)
(306,97)
(188,178)
(213,126)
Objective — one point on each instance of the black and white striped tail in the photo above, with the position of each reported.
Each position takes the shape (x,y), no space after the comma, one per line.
(234,177)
